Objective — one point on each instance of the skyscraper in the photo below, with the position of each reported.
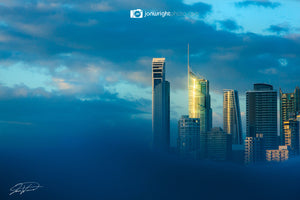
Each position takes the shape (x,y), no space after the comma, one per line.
(188,137)
(289,104)
(261,116)
(232,123)
(160,106)
(199,100)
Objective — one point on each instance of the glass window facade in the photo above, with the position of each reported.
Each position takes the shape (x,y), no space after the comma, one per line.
(199,101)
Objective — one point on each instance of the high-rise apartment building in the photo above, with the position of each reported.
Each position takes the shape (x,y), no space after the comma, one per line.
(232,123)
(254,149)
(160,106)
(261,114)
(279,155)
(291,135)
(289,105)
(188,142)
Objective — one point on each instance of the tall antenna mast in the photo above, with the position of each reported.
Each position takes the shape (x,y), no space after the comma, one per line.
(188,59)
(188,56)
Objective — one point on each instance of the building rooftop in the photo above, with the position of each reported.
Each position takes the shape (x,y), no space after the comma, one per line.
(262,87)
(158,59)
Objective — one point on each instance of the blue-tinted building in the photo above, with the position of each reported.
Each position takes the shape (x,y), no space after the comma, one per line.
(160,106)
(261,114)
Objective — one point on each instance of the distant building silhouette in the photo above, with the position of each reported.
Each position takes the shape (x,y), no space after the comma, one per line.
(261,114)
(232,123)
(254,149)
(188,137)
(160,106)
(238,153)
(289,104)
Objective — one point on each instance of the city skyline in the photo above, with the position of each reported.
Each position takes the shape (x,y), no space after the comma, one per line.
(87,75)
(86,66)
(99,99)
(262,142)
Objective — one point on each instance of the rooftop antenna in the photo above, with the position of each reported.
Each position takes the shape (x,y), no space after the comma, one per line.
(189,68)
(188,59)
(188,55)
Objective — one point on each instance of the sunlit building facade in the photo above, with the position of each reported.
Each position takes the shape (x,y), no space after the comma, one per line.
(160,106)
(289,105)
(232,123)
(279,155)
(291,135)
(199,101)
(188,142)
(261,114)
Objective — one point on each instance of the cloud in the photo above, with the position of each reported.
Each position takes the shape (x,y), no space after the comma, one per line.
(103,7)
(62,84)
(15,123)
(64,109)
(283,62)
(22,91)
(229,25)
(269,71)
(116,44)
(279,29)
(110,162)
(262,3)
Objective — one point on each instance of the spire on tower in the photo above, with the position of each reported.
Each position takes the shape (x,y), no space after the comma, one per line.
(188,79)
(188,56)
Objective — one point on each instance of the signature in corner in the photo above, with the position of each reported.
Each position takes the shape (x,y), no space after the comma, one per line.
(24,187)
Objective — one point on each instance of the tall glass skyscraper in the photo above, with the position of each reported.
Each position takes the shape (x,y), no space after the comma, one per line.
(232,123)
(160,106)
(199,100)
(289,105)
(261,108)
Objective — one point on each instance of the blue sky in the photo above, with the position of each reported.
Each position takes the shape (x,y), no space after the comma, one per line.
(93,51)
(255,16)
